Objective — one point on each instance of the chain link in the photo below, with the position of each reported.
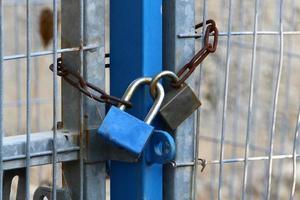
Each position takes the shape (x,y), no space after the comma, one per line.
(208,47)
(77,81)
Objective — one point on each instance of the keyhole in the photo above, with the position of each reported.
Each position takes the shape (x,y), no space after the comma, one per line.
(162,148)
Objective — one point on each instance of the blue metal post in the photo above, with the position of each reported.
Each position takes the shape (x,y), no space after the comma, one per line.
(135,51)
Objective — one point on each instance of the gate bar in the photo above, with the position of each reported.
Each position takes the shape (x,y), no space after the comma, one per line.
(14,153)
(250,116)
(28,95)
(225,99)
(55,101)
(136,51)
(275,102)
(82,25)
(1,100)
(179,17)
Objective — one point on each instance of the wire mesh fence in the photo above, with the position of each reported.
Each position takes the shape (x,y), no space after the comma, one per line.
(30,102)
(250,89)
(249,121)
(27,83)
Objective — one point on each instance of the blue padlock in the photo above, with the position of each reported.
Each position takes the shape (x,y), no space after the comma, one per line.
(125,131)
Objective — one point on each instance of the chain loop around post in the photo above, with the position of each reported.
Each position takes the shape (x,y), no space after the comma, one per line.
(77,81)
(208,47)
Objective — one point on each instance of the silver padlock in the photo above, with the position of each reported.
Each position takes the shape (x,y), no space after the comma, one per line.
(158,98)
(179,103)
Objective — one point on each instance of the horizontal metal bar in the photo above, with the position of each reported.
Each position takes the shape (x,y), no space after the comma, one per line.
(44,53)
(258,158)
(237,33)
(234,144)
(23,3)
(14,154)
(35,101)
(236,160)
(244,45)
(43,153)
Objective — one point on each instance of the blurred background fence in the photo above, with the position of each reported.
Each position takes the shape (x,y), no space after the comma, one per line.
(250,91)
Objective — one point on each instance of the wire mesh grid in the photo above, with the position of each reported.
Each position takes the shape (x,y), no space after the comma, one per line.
(248,125)
(30,93)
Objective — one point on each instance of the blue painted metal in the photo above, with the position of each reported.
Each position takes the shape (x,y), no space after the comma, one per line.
(125,131)
(161,148)
(135,51)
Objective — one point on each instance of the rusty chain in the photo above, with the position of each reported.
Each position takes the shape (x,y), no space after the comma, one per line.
(184,73)
(208,47)
(76,80)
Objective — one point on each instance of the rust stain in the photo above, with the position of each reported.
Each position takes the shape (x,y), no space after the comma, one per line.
(46,26)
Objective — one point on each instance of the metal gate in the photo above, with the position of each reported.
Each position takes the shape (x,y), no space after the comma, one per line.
(57,121)
(243,138)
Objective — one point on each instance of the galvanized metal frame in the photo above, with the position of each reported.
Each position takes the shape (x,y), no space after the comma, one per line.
(178,17)
(84,178)
(55,100)
(28,96)
(1,100)
(41,149)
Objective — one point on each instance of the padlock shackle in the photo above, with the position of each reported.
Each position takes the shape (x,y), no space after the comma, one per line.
(156,105)
(157,102)
(159,76)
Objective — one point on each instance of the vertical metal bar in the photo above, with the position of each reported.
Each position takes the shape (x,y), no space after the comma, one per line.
(82,24)
(178,17)
(215,150)
(224,115)
(285,122)
(36,67)
(71,99)
(28,96)
(198,115)
(266,167)
(236,114)
(292,196)
(251,169)
(275,101)
(82,128)
(216,128)
(140,23)
(18,71)
(250,105)
(55,94)
(1,99)
(218,116)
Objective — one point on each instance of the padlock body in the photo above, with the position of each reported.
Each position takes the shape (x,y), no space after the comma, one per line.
(125,131)
(178,105)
